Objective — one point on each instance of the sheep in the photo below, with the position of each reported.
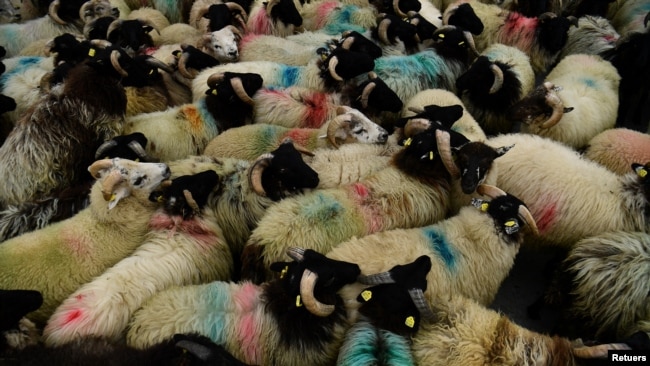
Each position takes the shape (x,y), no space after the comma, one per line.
(618,148)
(56,260)
(434,98)
(585,86)
(250,188)
(541,38)
(348,127)
(594,35)
(184,246)
(16,331)
(630,17)
(185,130)
(211,15)
(297,319)
(494,82)
(259,47)
(472,252)
(275,17)
(567,194)
(307,108)
(178,350)
(412,191)
(322,75)
(334,17)
(15,36)
(9,13)
(61,129)
(174,11)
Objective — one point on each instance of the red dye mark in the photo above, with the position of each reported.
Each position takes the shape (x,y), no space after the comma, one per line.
(360,190)
(80,297)
(610,38)
(72,316)
(150,50)
(323,12)
(260,23)
(316,108)
(301,136)
(546,217)
(247,38)
(519,31)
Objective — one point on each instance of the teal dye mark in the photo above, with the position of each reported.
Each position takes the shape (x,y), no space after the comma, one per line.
(342,21)
(439,244)
(321,208)
(589,82)
(289,75)
(209,122)
(216,301)
(23,64)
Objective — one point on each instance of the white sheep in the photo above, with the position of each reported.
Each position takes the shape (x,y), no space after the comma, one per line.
(618,148)
(594,36)
(184,246)
(260,47)
(348,127)
(577,101)
(472,252)
(334,17)
(59,258)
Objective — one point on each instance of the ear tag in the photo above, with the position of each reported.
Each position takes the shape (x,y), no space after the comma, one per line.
(113,197)
(366,295)
(284,271)
(642,172)
(323,56)
(91,52)
(510,223)
(408,142)
(151,72)
(298,301)
(410,322)
(484,206)
(160,199)
(431,155)
(214,91)
(441,35)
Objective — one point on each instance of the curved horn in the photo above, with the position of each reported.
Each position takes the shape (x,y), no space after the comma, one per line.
(490,191)
(372,75)
(182,68)
(103,147)
(417,295)
(376,278)
(138,149)
(525,215)
(307,284)
(232,6)
(347,43)
(148,22)
(100,43)
(332,68)
(416,125)
(115,61)
(154,62)
(554,101)
(269,6)
(113,26)
(547,15)
(397,10)
(99,165)
(238,87)
(295,253)
(334,125)
(53,12)
(599,351)
(382,30)
(443,139)
(215,79)
(365,93)
(191,201)
(255,173)
(498,78)
(470,41)
(109,183)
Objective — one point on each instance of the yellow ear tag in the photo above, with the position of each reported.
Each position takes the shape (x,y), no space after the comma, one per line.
(642,173)
(484,206)
(408,141)
(151,72)
(323,57)
(441,35)
(113,197)
(366,295)
(298,302)
(410,322)
(91,52)
(160,199)
(214,91)
(510,223)
(431,155)
(284,271)
(461,43)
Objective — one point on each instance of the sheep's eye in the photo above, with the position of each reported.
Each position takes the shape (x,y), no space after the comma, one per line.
(138,181)
(217,46)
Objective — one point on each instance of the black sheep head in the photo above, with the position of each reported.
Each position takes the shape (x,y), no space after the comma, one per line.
(341,65)
(553,31)
(188,194)
(285,11)
(15,304)
(464,17)
(376,95)
(509,213)
(131,146)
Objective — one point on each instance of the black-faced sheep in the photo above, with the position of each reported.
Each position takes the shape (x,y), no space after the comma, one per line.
(274,17)
(56,260)
(297,319)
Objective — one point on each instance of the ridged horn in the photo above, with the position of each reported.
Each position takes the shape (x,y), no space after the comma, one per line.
(53,12)
(109,183)
(553,101)
(115,61)
(182,68)
(332,68)
(255,173)
(376,279)
(113,26)
(295,253)
(215,79)
(365,93)
(347,43)
(152,61)
(269,6)
(443,139)
(470,41)
(307,285)
(421,304)
(528,218)
(498,79)
(139,150)
(599,351)
(233,6)
(397,10)
(490,191)
(382,30)
(238,87)
(99,165)
(334,125)
(103,147)
(191,201)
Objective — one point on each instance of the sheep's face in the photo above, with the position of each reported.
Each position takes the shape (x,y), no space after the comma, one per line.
(8,13)
(224,45)
(354,126)
(95,9)
(474,160)
(187,195)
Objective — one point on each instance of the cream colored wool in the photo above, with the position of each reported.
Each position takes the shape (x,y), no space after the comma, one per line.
(617,148)
(276,49)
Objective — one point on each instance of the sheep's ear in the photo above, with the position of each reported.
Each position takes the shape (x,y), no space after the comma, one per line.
(117,195)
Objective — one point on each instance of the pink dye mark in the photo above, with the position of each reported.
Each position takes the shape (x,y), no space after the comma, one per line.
(519,31)
(260,23)
(247,38)
(77,243)
(248,336)
(323,12)
(80,297)
(360,190)
(546,217)
(371,215)
(72,316)
(150,50)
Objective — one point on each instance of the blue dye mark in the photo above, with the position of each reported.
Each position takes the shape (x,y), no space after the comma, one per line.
(591,83)
(23,64)
(289,75)
(441,247)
